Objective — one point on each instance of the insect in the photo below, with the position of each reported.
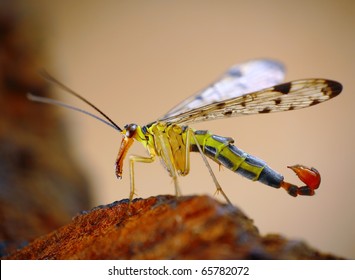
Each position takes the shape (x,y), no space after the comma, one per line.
(249,88)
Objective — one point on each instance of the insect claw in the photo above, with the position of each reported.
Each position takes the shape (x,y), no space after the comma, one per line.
(306,191)
(309,176)
(292,190)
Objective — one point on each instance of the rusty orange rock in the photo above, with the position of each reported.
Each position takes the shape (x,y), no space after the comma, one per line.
(165,227)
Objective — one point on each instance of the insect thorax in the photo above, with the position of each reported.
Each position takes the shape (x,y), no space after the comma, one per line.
(168,142)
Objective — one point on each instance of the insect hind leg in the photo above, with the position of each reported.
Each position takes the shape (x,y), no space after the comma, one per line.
(218,186)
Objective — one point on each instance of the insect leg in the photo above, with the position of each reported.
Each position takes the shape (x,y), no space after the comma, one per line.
(168,159)
(132,160)
(218,186)
(187,151)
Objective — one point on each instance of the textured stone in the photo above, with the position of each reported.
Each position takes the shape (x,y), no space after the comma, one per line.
(164,227)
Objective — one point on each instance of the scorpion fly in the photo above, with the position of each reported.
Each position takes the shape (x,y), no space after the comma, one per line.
(249,88)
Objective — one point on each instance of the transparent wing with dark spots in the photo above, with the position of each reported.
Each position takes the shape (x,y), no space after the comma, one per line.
(284,97)
(240,79)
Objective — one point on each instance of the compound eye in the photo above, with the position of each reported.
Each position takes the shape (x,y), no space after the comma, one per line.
(130,130)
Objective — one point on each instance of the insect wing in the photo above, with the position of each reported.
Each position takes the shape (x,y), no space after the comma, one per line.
(284,97)
(240,79)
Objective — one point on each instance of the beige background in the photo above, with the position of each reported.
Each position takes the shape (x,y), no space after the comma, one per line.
(137,59)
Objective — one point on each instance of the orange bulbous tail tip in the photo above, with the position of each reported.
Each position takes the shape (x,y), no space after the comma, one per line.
(309,176)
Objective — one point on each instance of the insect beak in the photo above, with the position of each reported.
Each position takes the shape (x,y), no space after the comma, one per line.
(125,145)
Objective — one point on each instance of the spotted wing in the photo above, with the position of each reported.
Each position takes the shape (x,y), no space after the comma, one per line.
(240,79)
(283,97)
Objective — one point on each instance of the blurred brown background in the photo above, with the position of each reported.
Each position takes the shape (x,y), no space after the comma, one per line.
(137,59)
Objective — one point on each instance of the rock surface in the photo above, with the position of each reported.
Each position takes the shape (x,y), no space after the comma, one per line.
(164,227)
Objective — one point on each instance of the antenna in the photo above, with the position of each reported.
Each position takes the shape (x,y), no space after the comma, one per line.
(47,100)
(51,79)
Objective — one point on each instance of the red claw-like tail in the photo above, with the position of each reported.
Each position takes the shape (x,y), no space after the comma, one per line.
(309,176)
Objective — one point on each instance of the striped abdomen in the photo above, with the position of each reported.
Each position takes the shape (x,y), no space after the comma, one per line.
(221,150)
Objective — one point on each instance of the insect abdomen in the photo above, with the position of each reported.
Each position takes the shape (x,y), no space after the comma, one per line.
(221,150)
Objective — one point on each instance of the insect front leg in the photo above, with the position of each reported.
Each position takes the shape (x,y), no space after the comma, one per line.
(132,160)
(309,176)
